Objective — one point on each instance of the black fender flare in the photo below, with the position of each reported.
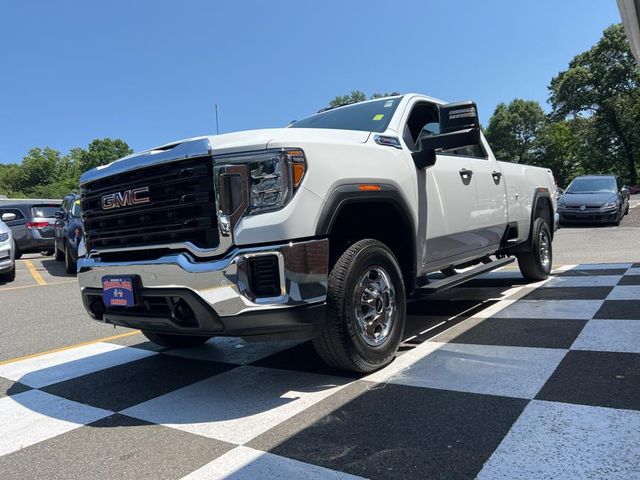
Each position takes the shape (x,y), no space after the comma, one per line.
(353,193)
(538,194)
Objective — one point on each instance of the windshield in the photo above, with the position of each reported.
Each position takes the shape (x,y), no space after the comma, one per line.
(592,185)
(367,116)
(75,209)
(44,211)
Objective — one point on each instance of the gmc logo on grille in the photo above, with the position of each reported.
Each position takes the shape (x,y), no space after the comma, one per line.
(128,198)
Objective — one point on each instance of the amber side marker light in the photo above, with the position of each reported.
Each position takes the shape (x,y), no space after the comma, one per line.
(369,188)
(298,173)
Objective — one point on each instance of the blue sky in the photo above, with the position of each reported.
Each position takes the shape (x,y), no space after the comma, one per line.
(151,71)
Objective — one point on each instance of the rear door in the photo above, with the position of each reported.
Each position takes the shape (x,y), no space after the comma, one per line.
(18,225)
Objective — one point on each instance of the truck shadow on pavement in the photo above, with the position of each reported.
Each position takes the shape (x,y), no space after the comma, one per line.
(56,268)
(226,384)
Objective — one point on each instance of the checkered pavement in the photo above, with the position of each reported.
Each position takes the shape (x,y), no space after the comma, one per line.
(496,379)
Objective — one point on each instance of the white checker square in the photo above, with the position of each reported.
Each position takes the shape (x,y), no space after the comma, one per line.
(238,405)
(609,336)
(60,366)
(561,440)
(518,372)
(31,417)
(554,309)
(244,463)
(577,282)
(602,266)
(625,292)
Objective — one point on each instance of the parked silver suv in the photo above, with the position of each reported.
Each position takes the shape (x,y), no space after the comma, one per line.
(32,224)
(7,253)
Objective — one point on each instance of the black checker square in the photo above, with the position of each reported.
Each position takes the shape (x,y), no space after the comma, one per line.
(630,280)
(619,310)
(516,332)
(396,431)
(125,385)
(114,447)
(603,379)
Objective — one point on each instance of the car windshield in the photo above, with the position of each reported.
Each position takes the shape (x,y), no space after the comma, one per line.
(75,209)
(592,185)
(371,116)
(44,211)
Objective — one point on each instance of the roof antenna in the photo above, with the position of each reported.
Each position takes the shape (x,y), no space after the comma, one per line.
(217,129)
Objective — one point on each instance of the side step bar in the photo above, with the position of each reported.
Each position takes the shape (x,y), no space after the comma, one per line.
(455,280)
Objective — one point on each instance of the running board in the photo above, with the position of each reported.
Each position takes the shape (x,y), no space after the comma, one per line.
(455,280)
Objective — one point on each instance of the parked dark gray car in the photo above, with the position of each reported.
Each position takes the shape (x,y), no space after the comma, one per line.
(33,224)
(68,228)
(594,199)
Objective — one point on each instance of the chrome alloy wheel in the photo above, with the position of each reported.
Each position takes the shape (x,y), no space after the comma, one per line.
(544,249)
(375,306)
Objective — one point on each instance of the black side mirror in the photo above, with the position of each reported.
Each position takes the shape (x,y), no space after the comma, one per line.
(625,190)
(59,214)
(459,127)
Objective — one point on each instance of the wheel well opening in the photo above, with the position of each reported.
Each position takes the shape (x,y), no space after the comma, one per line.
(382,221)
(544,210)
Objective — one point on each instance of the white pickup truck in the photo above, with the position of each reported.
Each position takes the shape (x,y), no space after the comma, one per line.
(320,230)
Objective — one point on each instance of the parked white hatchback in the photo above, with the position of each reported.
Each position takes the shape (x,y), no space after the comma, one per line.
(7,254)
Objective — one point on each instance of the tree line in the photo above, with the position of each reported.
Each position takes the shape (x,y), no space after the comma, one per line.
(45,173)
(593,127)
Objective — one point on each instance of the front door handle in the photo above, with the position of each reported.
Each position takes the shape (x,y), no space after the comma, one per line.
(466,173)
(497,174)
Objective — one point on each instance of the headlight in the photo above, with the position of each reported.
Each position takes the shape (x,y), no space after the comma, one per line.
(273,177)
(610,205)
(4,237)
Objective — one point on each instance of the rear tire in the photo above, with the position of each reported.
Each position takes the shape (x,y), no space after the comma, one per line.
(366,309)
(175,341)
(626,210)
(59,255)
(69,265)
(536,264)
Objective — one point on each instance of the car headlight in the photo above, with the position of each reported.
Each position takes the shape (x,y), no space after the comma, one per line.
(273,177)
(610,205)
(4,237)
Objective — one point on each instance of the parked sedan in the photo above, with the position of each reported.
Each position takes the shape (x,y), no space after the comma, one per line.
(7,253)
(594,199)
(68,227)
(32,224)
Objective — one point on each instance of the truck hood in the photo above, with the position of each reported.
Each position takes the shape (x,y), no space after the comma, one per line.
(245,141)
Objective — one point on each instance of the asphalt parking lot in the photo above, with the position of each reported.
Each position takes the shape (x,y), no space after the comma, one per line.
(496,379)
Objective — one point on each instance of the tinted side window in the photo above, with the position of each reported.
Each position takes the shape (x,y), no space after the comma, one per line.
(17,212)
(475,151)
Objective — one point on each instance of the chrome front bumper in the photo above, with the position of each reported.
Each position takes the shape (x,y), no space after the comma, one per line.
(223,284)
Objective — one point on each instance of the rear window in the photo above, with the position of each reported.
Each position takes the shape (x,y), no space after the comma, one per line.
(44,211)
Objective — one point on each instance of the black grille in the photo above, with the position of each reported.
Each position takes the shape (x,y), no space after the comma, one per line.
(265,276)
(182,207)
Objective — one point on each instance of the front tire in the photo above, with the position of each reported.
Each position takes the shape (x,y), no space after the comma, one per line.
(175,341)
(8,276)
(536,264)
(366,309)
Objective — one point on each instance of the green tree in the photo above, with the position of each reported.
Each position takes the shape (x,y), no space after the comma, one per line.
(513,130)
(604,83)
(357,96)
(44,173)
(102,151)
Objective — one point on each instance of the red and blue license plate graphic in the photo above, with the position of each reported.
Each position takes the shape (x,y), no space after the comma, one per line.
(118,291)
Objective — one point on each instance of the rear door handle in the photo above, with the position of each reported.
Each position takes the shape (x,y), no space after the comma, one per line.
(496,176)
